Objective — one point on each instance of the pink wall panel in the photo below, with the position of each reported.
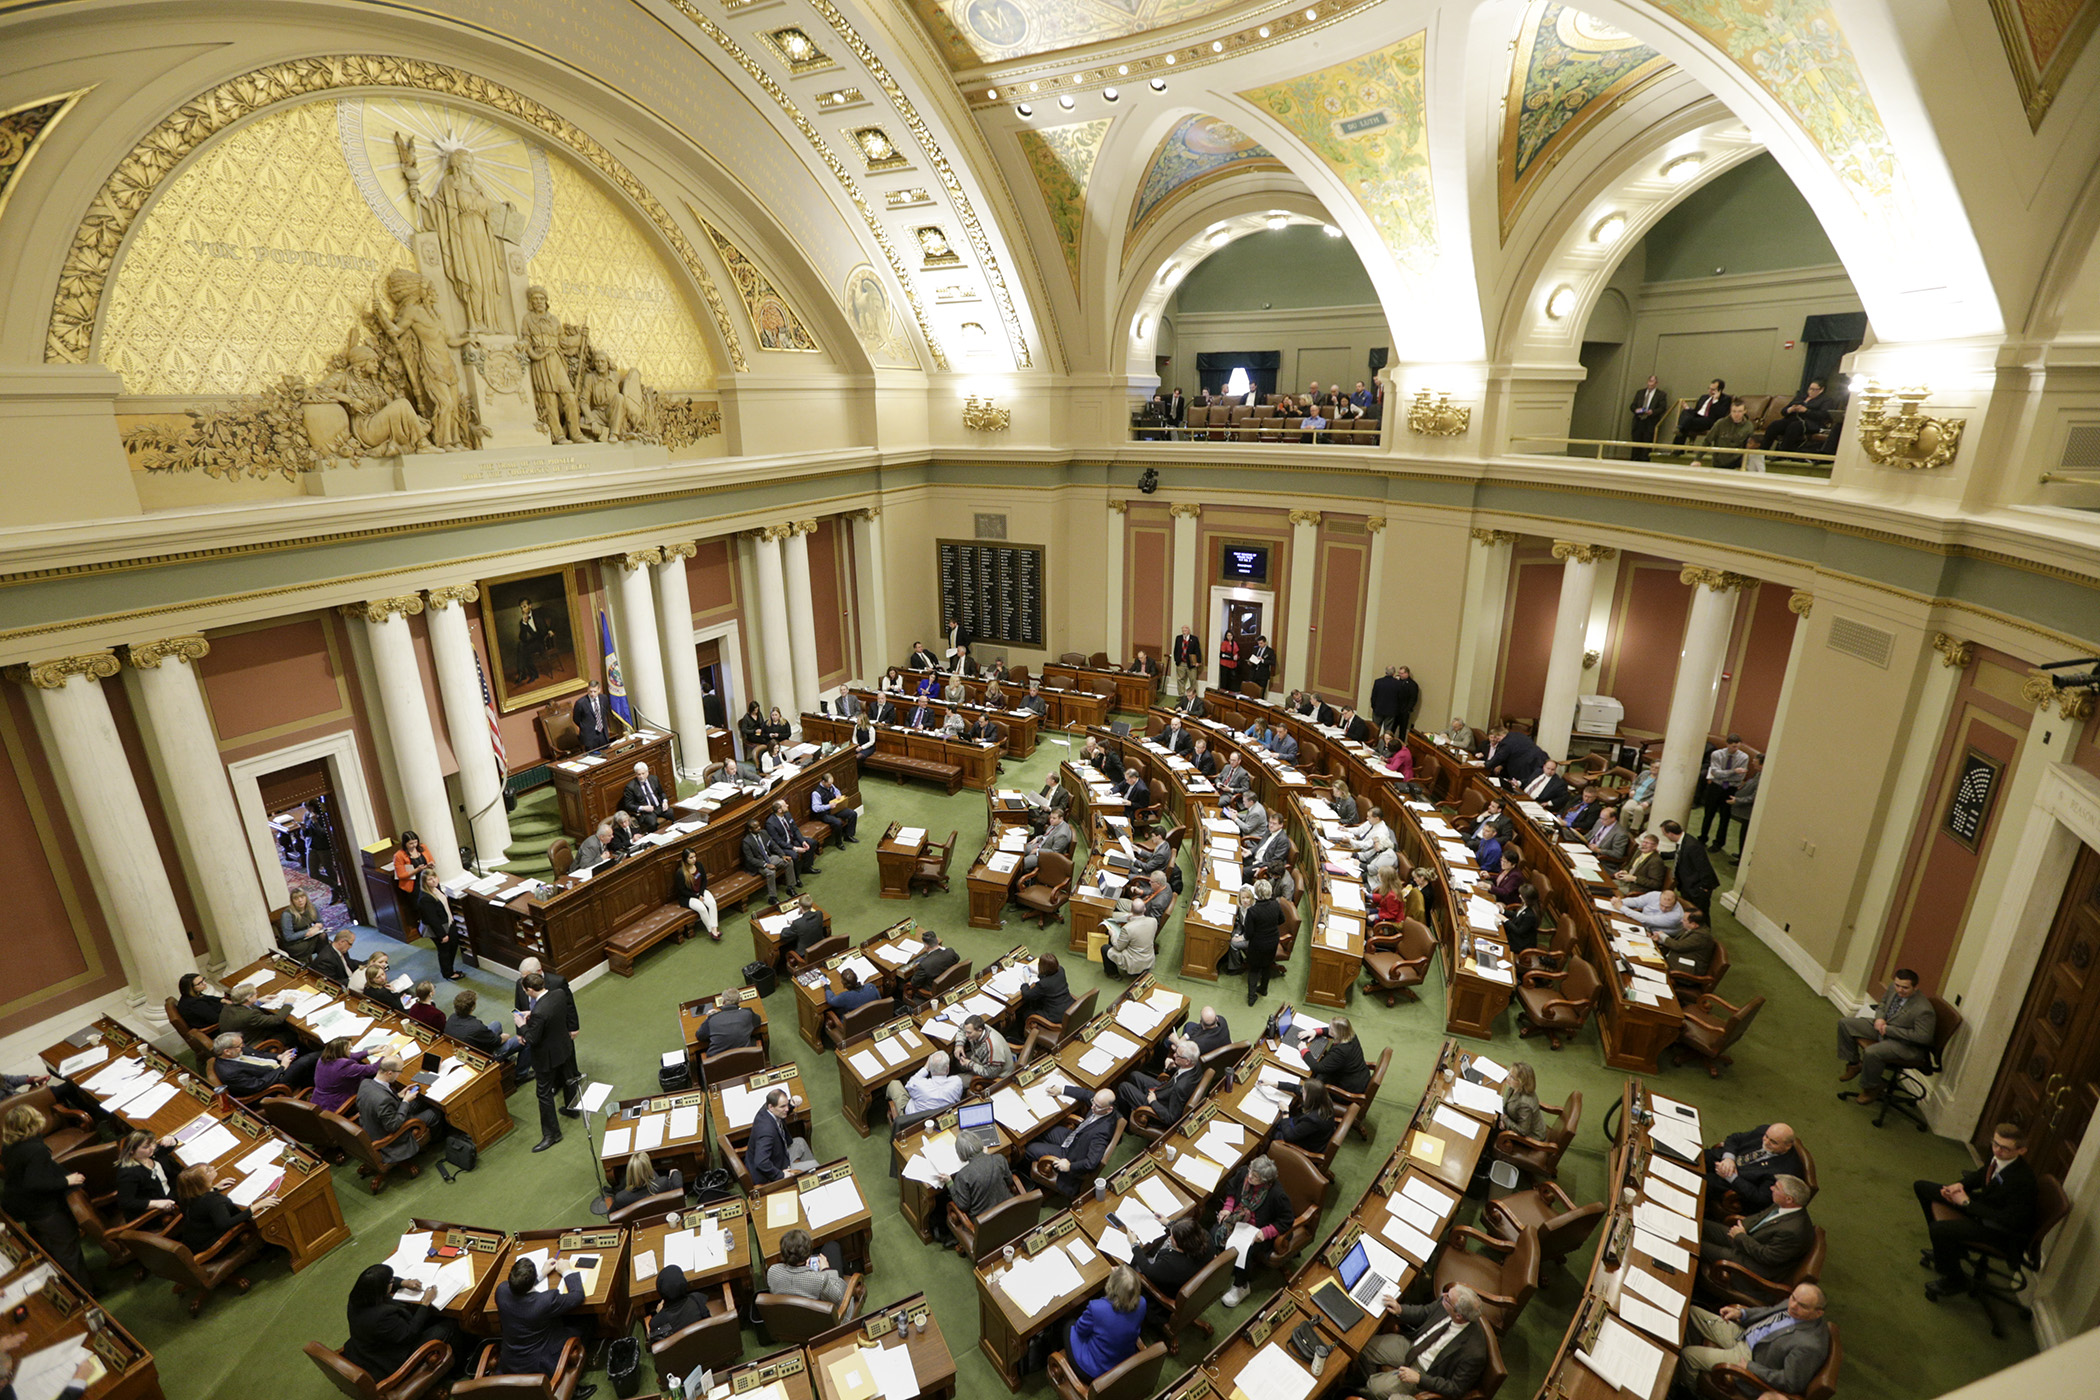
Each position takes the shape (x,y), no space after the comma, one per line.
(1337,642)
(826,602)
(1759,666)
(1648,634)
(271,676)
(1527,637)
(1148,549)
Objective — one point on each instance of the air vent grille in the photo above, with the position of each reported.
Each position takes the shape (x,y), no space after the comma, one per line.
(2082,448)
(1861,642)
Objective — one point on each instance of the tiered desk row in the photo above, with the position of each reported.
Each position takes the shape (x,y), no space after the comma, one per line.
(61,1327)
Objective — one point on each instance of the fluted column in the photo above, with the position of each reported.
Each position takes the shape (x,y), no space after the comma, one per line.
(199,799)
(802,637)
(1479,629)
(1571,626)
(1367,666)
(408,725)
(1187,569)
(1692,699)
(773,619)
(1118,588)
(133,885)
(481,778)
(642,661)
(871,572)
(674,615)
(1297,631)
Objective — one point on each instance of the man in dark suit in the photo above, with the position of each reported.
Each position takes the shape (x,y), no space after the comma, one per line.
(921,717)
(246,1075)
(643,799)
(1783,1345)
(1137,792)
(1995,1204)
(1900,1032)
(383,1107)
(531,1320)
(885,712)
(1385,698)
(1167,1094)
(1768,1242)
(774,867)
(933,959)
(593,718)
(1271,855)
(786,838)
(546,1028)
(1549,789)
(1176,738)
(804,932)
(1208,1031)
(770,1153)
(964,664)
(848,705)
(1354,726)
(332,959)
(711,708)
(921,659)
(1805,415)
(1512,754)
(1077,1152)
(1697,418)
(1188,661)
(521,999)
(1696,881)
(729,1026)
(1648,407)
(1746,1163)
(957,635)
(468,1029)
(1440,1349)
(1258,663)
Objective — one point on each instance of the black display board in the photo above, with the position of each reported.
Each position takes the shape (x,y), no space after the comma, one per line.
(996,590)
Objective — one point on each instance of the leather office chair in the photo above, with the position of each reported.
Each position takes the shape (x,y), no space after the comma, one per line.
(1727,1382)
(197,1038)
(1045,1175)
(1226,1058)
(300,1121)
(1996,1274)
(662,1203)
(361,1147)
(196,1274)
(560,856)
(1505,1276)
(1044,891)
(931,872)
(488,1384)
(715,1341)
(1343,1126)
(1550,1213)
(840,1030)
(1907,1087)
(1709,1035)
(1557,1004)
(1540,1157)
(1493,1374)
(787,1318)
(419,1375)
(725,1065)
(64,1128)
(1287,936)
(1152,1125)
(1690,986)
(1134,1379)
(1362,1102)
(1075,1018)
(1308,1187)
(827,947)
(978,1238)
(1739,1283)
(1397,958)
(1176,1315)
(95,1214)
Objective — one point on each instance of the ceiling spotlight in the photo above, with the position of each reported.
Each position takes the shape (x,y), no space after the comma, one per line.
(1217,46)
(1111,94)
(1609,229)
(1263,31)
(1561,302)
(1064,100)
(991,94)
(1684,167)
(1330,230)
(1222,237)
(1122,70)
(1023,110)
(1170,60)
(1278,221)
(1311,15)
(1034,86)
(1159,84)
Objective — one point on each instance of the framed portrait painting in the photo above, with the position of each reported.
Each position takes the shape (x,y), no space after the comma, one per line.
(536,635)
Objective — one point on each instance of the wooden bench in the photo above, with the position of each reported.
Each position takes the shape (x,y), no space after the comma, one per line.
(638,935)
(733,889)
(949,775)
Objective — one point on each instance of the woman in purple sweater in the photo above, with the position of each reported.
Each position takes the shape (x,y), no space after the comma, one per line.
(336,1076)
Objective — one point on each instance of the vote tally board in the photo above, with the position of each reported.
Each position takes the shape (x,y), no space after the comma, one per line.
(995,590)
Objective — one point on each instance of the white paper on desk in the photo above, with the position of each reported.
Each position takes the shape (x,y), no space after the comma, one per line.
(1346,895)
(1096,1061)
(151,1101)
(1668,1109)
(865,1064)
(1662,1251)
(1290,1056)
(1666,1223)
(1685,1140)
(895,955)
(685,1122)
(1624,1358)
(911,835)
(44,1375)
(828,1203)
(1010,1111)
(137,1091)
(682,1249)
(1452,1121)
(1242,1239)
(1670,1198)
(85,1059)
(452,1077)
(774,923)
(1261,1102)
(1661,1170)
(618,1141)
(1665,1298)
(1643,996)
(1639,1312)
(253,1188)
(1082,1253)
(1122,1047)
(410,1252)
(1158,1198)
(649,1133)
(268,1155)
(645,1266)
(208,1146)
(1227,876)
(1414,1214)
(1477,1098)
(1416,1188)
(922,1170)
(1116,1245)
(1483,913)
(895,1377)
(1143,1225)
(1138,1017)
(1273,1375)
(893,1049)
(113,1076)
(1407,1239)
(27,1284)
(1199,1172)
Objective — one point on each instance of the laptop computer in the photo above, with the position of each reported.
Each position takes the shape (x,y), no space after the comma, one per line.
(975,1120)
(1363,1282)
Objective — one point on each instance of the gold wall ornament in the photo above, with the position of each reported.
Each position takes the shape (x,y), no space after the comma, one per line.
(983,416)
(53,674)
(147,656)
(445,597)
(1954,652)
(1907,438)
(1801,602)
(636,558)
(1374,523)
(22,133)
(802,527)
(1493,537)
(1590,659)
(377,610)
(867,513)
(770,534)
(1120,507)
(255,437)
(84,277)
(778,325)
(681,549)
(792,46)
(1186,509)
(2041,691)
(1585,553)
(683,422)
(1719,580)
(1436,416)
(1305,517)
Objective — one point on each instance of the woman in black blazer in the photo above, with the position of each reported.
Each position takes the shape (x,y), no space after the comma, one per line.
(206,1213)
(1050,995)
(641,1181)
(1522,928)
(434,913)
(678,1307)
(36,1186)
(1253,1196)
(1312,1124)
(146,1174)
(385,1331)
(778,730)
(1262,923)
(1336,1058)
(1175,1257)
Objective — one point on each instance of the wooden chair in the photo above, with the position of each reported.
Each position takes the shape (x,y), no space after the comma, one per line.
(1540,1157)
(1226,1058)
(1343,1126)
(1690,986)
(725,1065)
(1397,958)
(1727,1382)
(1133,1380)
(1287,936)
(980,1237)
(361,1147)
(734,1160)
(1709,1036)
(1557,1004)
(841,1030)
(95,1214)
(1493,1375)
(786,1319)
(1505,1276)
(1308,1187)
(1044,891)
(1075,1018)
(568,1370)
(715,1341)
(1152,1125)
(1362,1102)
(818,952)
(197,1274)
(662,1203)
(932,869)
(1176,1315)
(197,1038)
(1736,1282)
(1549,1212)
(1997,1275)
(300,1121)
(954,977)
(419,1375)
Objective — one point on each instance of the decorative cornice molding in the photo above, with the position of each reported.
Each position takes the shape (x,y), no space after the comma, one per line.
(1954,652)
(1583,553)
(147,656)
(1719,580)
(680,549)
(1305,517)
(1374,523)
(801,527)
(376,610)
(445,597)
(1188,509)
(768,534)
(635,558)
(1120,507)
(2041,691)
(53,674)
(1801,602)
(1493,537)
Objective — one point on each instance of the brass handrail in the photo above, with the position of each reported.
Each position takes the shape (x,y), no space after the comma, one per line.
(1682,449)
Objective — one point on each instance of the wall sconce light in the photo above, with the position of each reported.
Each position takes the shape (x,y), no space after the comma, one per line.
(1906,438)
(1684,167)
(1561,302)
(1432,414)
(1590,659)
(982,416)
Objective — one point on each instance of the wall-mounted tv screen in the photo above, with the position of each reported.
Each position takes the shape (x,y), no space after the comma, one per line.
(1248,563)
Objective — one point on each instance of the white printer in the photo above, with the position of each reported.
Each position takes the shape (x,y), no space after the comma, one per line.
(1598,714)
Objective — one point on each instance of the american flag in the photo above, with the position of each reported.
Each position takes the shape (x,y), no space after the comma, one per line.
(488,707)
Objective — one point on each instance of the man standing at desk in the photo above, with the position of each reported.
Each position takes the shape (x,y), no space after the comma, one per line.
(1188,661)
(592,715)
(643,799)
(771,1154)
(534,1334)
(546,1028)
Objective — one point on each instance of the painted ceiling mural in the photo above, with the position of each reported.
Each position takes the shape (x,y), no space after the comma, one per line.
(1568,73)
(1198,150)
(2043,38)
(1061,158)
(1365,119)
(973,32)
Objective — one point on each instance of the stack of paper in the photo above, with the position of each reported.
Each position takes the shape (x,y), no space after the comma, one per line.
(618,1141)
(1138,1017)
(685,1122)
(1664,1223)
(1198,1171)
(649,1133)
(1455,1123)
(1273,1374)
(1475,1098)
(836,1201)
(1158,1198)
(912,836)
(208,1146)
(896,1049)
(1624,1358)
(84,1060)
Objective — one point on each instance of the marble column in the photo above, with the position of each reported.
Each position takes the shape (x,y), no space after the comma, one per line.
(674,615)
(1368,666)
(1571,627)
(1188,570)
(642,660)
(773,643)
(1117,588)
(199,799)
(401,699)
(1801,603)
(130,879)
(870,573)
(1296,640)
(466,719)
(1479,631)
(802,637)
(1692,698)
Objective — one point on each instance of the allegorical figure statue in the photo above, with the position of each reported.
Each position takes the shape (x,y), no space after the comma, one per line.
(467,220)
(426,354)
(381,422)
(551,386)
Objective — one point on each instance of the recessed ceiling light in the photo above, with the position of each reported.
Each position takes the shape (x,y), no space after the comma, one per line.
(1217,46)
(1064,100)
(1110,94)
(1159,84)
(1312,14)
(1278,221)
(1609,229)
(991,94)
(1263,31)
(1222,237)
(1684,167)
(1122,70)
(1561,302)
(1023,110)
(1032,87)
(1330,230)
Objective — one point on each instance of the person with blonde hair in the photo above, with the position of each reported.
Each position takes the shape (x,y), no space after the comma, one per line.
(641,1180)
(37,1187)
(206,1213)
(1105,1334)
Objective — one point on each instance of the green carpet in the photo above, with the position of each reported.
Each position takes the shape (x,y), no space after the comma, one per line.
(1898,1346)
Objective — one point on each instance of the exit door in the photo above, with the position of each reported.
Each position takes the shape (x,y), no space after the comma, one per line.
(1242,614)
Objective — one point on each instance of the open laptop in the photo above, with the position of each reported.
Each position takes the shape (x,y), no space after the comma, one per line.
(1363,1282)
(975,1120)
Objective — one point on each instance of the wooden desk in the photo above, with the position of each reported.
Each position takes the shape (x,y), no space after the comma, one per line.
(646,1244)
(731,1107)
(876,960)
(1337,940)
(1123,1185)
(1066,707)
(679,1122)
(1020,725)
(307,1219)
(869,1065)
(895,861)
(852,1232)
(692,1017)
(991,889)
(588,787)
(60,1312)
(481,1248)
(1461,1151)
(1004,1328)
(1476,995)
(1272,1327)
(978,760)
(1179,1147)
(605,1293)
(787,1369)
(921,1201)
(1133,692)
(767,924)
(1244,1097)
(931,1359)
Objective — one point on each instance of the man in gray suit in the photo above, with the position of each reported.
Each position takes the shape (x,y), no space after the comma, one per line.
(848,705)
(1609,838)
(382,1108)
(1900,1032)
(1783,1345)
(1056,837)
(1769,1242)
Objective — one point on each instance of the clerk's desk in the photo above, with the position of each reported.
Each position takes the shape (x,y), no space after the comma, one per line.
(979,761)
(1132,691)
(588,786)
(1021,726)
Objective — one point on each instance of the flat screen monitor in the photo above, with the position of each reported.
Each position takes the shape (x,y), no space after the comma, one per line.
(1247,562)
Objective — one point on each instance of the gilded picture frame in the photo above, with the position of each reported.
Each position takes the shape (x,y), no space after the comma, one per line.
(553,658)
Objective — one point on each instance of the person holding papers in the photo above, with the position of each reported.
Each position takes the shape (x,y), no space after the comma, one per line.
(375,974)
(146,1175)
(1175,1257)
(689,888)
(830,807)
(807,1272)
(1253,1197)
(677,1306)
(386,1330)
(770,1154)
(1076,1153)
(1335,1057)
(245,1076)
(1657,911)
(533,1332)
(1105,1334)
(1747,1163)
(206,1213)
(243,1015)
(1440,1349)
(1783,1345)
(339,1073)
(384,1108)
(36,1187)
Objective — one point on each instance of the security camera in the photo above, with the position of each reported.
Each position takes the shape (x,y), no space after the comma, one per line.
(1149,482)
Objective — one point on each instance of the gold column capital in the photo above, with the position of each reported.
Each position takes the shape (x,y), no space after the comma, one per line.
(767,534)
(680,549)
(147,656)
(1305,517)
(1954,651)
(1583,553)
(868,513)
(380,609)
(1374,523)
(1801,602)
(801,527)
(1185,509)
(2040,690)
(635,558)
(1491,537)
(1118,506)
(1719,580)
(443,598)
(53,674)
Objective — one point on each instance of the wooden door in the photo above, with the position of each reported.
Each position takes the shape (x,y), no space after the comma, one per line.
(2050,1078)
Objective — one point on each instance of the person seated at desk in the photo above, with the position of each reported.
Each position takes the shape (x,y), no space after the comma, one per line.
(1582,815)
(892,682)
(1549,789)
(885,712)
(1521,929)
(422,1006)
(1493,824)
(1175,738)
(1783,1345)
(1384,857)
(983,1052)
(1768,1242)
(1508,881)
(530,1320)
(677,1306)
(1336,1058)
(1658,911)
(1693,949)
(1168,1094)
(463,1026)
(383,1107)
(832,807)
(985,1180)
(1105,1334)
(1049,995)
(1647,871)
(1193,704)
(246,1075)
(1270,859)
(1607,836)
(1440,1349)
(147,1170)
(995,696)
(299,927)
(916,978)
(953,693)
(1459,735)
(730,1025)
(921,717)
(643,799)
(1253,1196)
(964,664)
(1232,776)
(771,759)
(851,995)
(1144,665)
(761,859)
(1388,899)
(1354,726)
(1746,1163)
(374,986)
(1995,1204)
(385,1330)
(242,1014)
(1033,701)
(778,730)
(1076,1153)
(1133,933)
(641,1180)
(1311,1123)
(864,732)
(804,932)
(1343,802)
(769,1153)
(1135,790)
(338,1074)
(1252,821)
(1202,759)
(1056,838)
(1175,1257)
(206,1213)
(848,705)
(921,659)
(1283,744)
(953,724)
(804,1271)
(1208,1032)
(934,1087)
(594,848)
(199,1009)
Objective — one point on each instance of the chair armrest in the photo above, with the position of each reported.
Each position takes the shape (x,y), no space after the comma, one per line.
(427,1359)
(1691,1015)
(1507,1141)
(1063,1378)
(220,1245)
(1500,1246)
(1567,1202)
(1741,1277)
(1728,1378)
(415,1127)
(1545,979)
(1717,1000)
(856,1291)
(568,1369)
